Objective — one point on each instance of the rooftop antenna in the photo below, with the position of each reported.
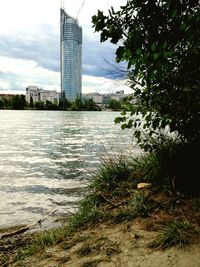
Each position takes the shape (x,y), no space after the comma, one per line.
(80,9)
(62,5)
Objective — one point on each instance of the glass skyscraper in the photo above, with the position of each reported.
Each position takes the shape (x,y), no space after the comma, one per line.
(70,56)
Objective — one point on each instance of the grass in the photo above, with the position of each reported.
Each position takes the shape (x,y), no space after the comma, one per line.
(142,205)
(139,206)
(114,171)
(43,240)
(88,213)
(175,233)
(102,244)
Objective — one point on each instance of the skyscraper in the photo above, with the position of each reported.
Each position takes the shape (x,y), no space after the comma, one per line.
(70,56)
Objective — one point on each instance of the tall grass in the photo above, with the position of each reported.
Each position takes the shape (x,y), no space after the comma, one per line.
(88,213)
(114,172)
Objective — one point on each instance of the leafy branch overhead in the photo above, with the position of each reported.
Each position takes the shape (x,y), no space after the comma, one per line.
(160,41)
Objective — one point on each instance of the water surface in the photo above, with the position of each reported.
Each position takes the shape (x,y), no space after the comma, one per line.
(46,159)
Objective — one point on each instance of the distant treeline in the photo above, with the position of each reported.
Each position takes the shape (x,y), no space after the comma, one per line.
(19,102)
(12,102)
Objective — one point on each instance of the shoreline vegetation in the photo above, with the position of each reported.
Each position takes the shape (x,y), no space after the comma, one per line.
(132,205)
(18,102)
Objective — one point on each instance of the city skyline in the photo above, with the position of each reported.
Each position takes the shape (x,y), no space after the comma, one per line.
(29,46)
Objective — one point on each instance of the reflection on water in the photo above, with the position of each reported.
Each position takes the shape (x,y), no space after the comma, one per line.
(46,158)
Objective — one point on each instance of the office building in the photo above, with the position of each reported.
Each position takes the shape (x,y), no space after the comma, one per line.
(70,56)
(40,95)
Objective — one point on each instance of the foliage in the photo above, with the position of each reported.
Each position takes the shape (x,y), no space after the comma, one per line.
(89,104)
(19,102)
(38,105)
(173,234)
(77,104)
(160,41)
(115,105)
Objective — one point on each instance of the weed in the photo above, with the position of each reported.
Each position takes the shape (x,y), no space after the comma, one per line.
(112,172)
(42,241)
(88,213)
(142,205)
(4,260)
(124,214)
(173,234)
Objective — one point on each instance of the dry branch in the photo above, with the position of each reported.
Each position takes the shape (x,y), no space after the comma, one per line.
(27,227)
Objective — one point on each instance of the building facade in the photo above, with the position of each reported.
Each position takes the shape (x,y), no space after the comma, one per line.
(105,98)
(70,56)
(38,95)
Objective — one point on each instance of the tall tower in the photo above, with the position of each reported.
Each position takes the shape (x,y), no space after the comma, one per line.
(70,56)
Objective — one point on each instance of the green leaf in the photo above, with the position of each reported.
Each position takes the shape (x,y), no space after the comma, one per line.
(138,52)
(124,126)
(156,56)
(174,12)
(183,26)
(153,47)
(119,119)
(137,134)
(156,123)
(164,45)
(120,52)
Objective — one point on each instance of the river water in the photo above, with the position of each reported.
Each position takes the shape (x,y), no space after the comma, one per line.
(47,157)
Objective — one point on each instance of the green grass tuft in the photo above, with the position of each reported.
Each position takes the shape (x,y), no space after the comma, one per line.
(88,213)
(174,234)
(113,171)
(142,205)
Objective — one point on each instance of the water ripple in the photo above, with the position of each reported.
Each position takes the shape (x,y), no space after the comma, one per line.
(46,159)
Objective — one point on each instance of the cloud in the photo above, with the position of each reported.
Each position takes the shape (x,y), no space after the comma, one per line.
(42,47)
(30,48)
(28,73)
(103,85)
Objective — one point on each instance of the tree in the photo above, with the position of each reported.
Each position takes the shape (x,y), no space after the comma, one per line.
(39,105)
(77,104)
(31,102)
(18,101)
(64,103)
(50,106)
(115,105)
(1,104)
(160,41)
(89,104)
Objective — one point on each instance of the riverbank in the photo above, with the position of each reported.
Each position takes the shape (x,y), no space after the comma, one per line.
(118,240)
(124,220)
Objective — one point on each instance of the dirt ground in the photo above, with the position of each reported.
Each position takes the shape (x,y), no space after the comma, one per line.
(123,245)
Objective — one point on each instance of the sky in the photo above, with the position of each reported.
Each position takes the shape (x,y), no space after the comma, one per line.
(30,45)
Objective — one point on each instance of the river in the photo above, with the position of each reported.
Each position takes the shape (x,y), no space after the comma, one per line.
(47,157)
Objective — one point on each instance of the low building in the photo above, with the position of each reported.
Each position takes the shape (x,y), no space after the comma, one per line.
(38,95)
(105,98)
(98,98)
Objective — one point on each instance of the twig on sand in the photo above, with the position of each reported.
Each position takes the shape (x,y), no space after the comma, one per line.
(27,227)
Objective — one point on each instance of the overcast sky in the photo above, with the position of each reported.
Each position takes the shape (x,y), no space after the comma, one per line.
(30,48)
